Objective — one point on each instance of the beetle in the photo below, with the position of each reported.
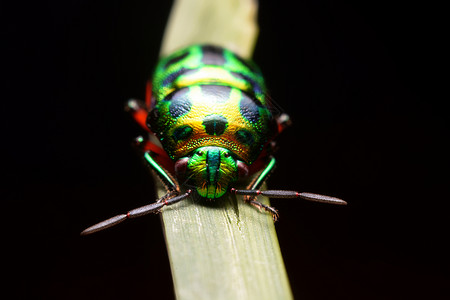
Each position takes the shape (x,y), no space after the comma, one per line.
(211,124)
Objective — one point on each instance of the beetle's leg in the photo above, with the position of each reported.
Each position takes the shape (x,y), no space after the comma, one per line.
(171,197)
(149,150)
(137,212)
(283,122)
(169,182)
(267,208)
(143,144)
(149,100)
(139,110)
(256,184)
(291,194)
(253,191)
(259,180)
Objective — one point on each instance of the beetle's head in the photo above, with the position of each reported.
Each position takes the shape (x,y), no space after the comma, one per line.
(211,170)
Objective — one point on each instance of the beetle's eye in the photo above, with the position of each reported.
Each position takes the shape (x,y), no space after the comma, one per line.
(181,165)
(200,152)
(242,169)
(227,154)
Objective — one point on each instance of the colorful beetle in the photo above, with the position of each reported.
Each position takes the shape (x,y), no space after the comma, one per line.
(214,125)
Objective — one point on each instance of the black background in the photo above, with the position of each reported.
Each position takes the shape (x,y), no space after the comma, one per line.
(361,81)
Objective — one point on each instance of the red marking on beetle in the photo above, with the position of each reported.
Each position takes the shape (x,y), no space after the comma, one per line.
(159,155)
(148,94)
(280,128)
(141,118)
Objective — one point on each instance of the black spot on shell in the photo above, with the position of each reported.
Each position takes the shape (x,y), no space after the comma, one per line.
(249,108)
(180,103)
(256,88)
(245,137)
(255,100)
(182,133)
(176,59)
(181,93)
(172,76)
(213,55)
(189,72)
(215,124)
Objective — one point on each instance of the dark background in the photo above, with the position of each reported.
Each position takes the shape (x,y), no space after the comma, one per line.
(361,81)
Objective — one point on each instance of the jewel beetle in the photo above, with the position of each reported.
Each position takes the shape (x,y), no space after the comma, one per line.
(211,124)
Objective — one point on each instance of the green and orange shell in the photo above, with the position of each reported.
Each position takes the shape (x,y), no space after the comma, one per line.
(208,96)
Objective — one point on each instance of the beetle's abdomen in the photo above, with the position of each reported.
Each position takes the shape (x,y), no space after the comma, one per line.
(207,96)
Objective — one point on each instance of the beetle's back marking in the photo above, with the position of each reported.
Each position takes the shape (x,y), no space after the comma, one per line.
(207,65)
(208,96)
(215,124)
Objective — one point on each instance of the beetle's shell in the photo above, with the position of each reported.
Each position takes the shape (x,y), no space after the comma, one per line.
(208,96)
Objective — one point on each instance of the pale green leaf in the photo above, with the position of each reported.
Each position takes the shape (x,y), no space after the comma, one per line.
(227,23)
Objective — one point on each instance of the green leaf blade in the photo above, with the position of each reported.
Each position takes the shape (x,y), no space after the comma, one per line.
(230,24)
(222,249)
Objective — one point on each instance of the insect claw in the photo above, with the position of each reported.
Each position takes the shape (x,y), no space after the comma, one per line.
(273,212)
(275,217)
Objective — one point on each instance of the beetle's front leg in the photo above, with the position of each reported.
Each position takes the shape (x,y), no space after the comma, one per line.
(267,208)
(256,184)
(139,111)
(137,212)
(169,182)
(253,191)
(173,196)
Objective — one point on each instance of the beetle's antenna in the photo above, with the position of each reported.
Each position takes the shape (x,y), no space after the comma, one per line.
(291,194)
(137,212)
